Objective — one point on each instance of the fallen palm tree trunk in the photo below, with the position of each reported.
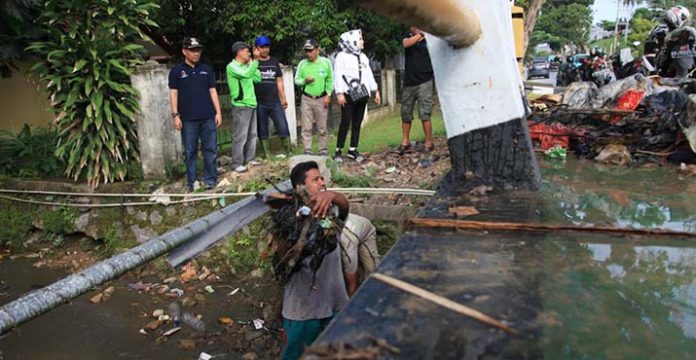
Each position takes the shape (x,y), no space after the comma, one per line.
(485,225)
(442,301)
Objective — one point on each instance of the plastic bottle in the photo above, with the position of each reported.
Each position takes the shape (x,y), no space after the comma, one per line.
(193,322)
(174,311)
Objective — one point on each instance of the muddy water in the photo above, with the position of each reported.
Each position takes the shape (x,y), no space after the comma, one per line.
(110,330)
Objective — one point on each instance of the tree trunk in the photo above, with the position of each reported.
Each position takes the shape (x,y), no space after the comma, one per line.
(500,155)
(530,18)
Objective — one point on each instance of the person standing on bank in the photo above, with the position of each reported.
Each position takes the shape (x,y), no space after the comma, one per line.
(418,86)
(354,84)
(242,73)
(315,77)
(270,95)
(196,112)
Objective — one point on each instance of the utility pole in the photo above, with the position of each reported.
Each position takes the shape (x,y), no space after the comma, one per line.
(616,26)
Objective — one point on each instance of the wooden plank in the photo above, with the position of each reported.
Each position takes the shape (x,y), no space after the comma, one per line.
(485,225)
(442,301)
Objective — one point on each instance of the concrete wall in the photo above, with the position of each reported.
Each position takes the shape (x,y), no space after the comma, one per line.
(291,111)
(160,143)
(23,101)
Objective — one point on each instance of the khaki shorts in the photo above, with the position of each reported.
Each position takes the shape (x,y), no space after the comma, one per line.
(422,93)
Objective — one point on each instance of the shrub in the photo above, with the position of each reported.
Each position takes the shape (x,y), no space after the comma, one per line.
(30,153)
(87,60)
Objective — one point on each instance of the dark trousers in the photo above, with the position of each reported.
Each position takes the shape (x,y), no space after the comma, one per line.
(277,113)
(351,115)
(206,131)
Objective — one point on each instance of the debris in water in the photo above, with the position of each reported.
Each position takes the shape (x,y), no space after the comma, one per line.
(186,344)
(204,356)
(463,210)
(225,320)
(556,152)
(190,272)
(170,331)
(258,324)
(153,325)
(390,170)
(96,299)
(157,313)
(193,322)
(614,154)
(142,332)
(140,286)
(209,289)
(176,291)
(233,292)
(169,280)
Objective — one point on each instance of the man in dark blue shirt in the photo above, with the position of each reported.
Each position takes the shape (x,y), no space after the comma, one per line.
(196,111)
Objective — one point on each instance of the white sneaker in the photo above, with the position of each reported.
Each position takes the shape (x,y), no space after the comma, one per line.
(240,169)
(254,162)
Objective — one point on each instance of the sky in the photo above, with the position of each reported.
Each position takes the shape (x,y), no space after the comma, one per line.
(606,10)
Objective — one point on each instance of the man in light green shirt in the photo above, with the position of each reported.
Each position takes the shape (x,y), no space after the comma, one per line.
(242,73)
(315,77)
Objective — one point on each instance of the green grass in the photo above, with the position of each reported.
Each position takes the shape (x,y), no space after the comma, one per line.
(382,133)
(386,132)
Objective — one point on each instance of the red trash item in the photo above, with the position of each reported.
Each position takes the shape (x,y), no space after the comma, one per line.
(628,101)
(547,136)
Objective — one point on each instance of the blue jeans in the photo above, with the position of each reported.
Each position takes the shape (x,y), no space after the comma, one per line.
(275,112)
(206,131)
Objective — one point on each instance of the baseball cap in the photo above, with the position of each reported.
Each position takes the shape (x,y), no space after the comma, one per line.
(310,44)
(239,45)
(191,43)
(262,40)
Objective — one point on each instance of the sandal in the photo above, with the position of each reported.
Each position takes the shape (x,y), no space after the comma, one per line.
(404,148)
(430,148)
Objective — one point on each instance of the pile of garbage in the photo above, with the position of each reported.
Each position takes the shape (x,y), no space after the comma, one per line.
(635,119)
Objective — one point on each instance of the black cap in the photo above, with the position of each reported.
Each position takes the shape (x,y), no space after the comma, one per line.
(239,45)
(191,43)
(310,44)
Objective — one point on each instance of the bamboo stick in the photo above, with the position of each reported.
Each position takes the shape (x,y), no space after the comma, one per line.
(485,225)
(442,301)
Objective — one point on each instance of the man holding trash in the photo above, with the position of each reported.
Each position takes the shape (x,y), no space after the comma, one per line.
(308,262)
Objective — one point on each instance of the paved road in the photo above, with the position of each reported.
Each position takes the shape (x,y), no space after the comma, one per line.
(550,81)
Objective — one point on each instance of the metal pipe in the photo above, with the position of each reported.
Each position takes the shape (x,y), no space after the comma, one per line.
(449,20)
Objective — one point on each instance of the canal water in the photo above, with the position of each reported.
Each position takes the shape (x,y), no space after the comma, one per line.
(571,295)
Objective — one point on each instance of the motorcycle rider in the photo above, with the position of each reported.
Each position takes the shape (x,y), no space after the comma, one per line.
(675,17)
(669,37)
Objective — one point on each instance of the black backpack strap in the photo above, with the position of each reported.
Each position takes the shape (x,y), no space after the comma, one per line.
(359,73)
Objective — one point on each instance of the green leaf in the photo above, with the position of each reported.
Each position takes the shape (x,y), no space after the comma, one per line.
(79,65)
(117,64)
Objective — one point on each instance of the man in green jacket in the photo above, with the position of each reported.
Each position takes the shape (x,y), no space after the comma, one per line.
(315,77)
(242,73)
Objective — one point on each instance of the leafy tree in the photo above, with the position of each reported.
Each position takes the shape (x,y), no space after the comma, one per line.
(608,25)
(219,23)
(571,23)
(87,60)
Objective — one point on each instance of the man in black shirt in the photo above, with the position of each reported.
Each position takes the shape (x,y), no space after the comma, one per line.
(195,111)
(418,86)
(270,96)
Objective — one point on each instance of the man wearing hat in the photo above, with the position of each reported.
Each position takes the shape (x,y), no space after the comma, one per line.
(315,77)
(270,95)
(195,111)
(242,73)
